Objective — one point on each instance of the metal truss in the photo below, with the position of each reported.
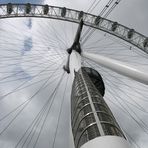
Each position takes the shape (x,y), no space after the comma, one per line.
(61,13)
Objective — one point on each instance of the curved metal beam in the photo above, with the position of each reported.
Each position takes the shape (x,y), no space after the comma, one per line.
(119,67)
(66,14)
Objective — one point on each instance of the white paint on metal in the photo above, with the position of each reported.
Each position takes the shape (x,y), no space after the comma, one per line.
(107,142)
(119,67)
(75,62)
(74,65)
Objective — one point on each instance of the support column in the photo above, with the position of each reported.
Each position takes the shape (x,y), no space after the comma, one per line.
(119,67)
(74,66)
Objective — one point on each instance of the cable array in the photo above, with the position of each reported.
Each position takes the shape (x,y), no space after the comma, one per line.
(105,12)
(33,84)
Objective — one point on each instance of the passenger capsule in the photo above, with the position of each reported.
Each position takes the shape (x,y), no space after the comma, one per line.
(97,20)
(28,8)
(9,8)
(145,43)
(46,9)
(114,26)
(63,12)
(81,15)
(130,33)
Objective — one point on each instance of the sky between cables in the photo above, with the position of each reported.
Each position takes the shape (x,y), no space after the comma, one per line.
(32,83)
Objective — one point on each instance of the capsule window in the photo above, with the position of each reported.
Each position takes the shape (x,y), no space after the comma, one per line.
(81,112)
(110,129)
(89,133)
(105,117)
(100,107)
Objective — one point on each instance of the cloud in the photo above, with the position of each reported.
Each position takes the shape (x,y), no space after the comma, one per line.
(29,23)
(27,45)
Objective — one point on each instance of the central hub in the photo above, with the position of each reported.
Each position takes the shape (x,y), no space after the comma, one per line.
(75,46)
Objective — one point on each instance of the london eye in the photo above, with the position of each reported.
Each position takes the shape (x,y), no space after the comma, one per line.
(40,78)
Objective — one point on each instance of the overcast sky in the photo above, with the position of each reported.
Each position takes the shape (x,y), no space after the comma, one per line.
(29,39)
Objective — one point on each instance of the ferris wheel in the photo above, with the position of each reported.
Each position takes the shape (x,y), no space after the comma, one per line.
(36,41)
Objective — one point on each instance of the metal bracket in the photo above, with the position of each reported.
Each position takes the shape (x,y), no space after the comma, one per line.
(75,46)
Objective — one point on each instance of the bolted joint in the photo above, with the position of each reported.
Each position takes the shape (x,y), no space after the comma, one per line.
(69,50)
(76,47)
(66,69)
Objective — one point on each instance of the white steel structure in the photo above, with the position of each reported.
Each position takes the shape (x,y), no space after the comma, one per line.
(119,67)
(102,139)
